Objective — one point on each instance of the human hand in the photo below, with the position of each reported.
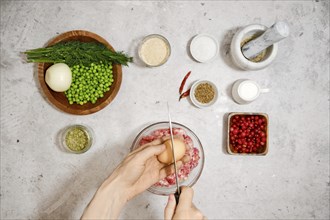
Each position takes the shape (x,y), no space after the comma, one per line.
(185,209)
(136,173)
(141,169)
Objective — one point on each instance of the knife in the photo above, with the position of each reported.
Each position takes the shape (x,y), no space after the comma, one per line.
(177,193)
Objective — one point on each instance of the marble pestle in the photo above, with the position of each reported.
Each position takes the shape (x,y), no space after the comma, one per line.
(274,34)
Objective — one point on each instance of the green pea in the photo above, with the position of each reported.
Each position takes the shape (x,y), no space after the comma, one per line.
(89,82)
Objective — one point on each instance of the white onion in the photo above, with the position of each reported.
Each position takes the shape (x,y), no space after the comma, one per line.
(59,77)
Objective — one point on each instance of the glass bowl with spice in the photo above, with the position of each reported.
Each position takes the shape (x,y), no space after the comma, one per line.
(154,50)
(203,93)
(77,138)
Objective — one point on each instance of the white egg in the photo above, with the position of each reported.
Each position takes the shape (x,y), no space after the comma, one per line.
(59,77)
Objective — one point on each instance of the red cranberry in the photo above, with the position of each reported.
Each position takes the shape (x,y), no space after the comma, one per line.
(247,133)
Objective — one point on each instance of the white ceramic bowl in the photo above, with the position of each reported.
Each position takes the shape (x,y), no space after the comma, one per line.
(204,48)
(236,51)
(195,101)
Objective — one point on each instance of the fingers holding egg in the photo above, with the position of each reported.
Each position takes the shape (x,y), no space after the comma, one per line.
(179,151)
(185,159)
(165,138)
(169,169)
(152,143)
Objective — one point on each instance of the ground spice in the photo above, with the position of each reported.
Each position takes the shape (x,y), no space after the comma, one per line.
(261,55)
(204,93)
(76,139)
(155,50)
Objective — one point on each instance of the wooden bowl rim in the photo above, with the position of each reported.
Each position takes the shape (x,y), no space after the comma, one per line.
(60,105)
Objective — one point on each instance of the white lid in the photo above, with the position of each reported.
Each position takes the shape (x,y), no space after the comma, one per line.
(204,47)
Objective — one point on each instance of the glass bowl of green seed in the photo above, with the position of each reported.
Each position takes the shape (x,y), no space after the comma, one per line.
(77,138)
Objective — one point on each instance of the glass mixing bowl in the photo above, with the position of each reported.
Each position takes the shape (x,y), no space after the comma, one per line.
(194,173)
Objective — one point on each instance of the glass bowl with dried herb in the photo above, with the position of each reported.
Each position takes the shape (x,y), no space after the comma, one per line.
(77,138)
(203,93)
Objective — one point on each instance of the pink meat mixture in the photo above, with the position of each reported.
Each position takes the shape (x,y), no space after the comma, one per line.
(191,152)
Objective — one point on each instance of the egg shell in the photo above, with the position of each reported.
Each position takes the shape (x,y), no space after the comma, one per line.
(179,151)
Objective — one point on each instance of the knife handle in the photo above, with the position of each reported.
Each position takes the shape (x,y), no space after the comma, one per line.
(177,197)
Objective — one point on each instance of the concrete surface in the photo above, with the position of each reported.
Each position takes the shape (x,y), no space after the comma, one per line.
(40,181)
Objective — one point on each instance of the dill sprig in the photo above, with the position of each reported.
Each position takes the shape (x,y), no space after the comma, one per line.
(77,53)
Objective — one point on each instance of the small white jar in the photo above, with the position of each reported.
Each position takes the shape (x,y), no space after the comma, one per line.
(245,91)
(236,51)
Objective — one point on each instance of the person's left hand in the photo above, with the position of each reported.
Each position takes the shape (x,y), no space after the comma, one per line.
(141,169)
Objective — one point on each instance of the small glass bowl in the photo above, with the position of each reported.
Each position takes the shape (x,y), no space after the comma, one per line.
(194,174)
(151,36)
(87,131)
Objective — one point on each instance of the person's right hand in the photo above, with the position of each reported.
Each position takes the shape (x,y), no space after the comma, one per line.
(185,209)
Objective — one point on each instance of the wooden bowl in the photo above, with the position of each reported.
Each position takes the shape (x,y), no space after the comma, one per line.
(58,98)
(263,149)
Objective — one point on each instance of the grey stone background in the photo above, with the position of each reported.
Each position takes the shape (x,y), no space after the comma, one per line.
(40,181)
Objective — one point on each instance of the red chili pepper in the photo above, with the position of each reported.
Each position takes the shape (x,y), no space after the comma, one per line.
(185,94)
(184,82)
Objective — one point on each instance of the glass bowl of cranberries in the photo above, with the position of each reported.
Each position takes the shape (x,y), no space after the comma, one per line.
(247,133)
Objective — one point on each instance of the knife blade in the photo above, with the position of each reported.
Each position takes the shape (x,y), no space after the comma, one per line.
(177,193)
